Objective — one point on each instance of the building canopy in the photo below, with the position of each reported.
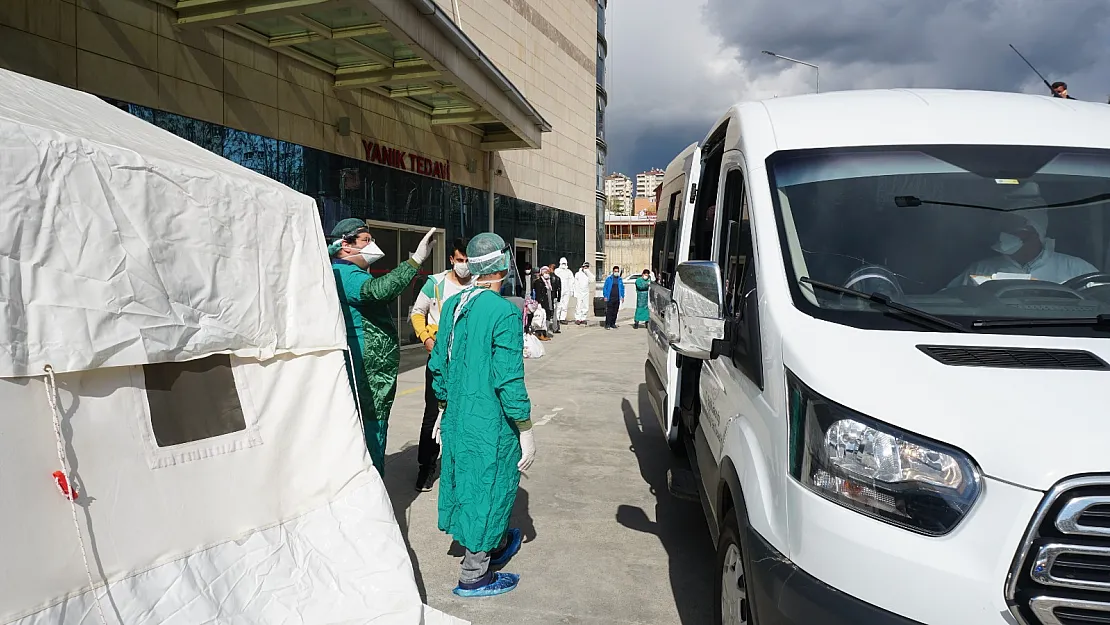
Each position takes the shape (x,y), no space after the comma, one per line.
(407,50)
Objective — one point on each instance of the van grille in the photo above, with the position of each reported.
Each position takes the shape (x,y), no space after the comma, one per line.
(1015,358)
(1061,575)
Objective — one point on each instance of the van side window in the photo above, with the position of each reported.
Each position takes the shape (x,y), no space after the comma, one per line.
(705,213)
(192,401)
(738,273)
(736,242)
(672,231)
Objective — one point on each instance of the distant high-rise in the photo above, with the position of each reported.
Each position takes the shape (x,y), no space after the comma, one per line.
(647,182)
(618,192)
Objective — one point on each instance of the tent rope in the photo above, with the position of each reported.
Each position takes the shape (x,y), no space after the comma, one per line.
(66,483)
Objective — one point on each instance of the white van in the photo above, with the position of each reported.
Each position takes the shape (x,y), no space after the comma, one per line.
(898,321)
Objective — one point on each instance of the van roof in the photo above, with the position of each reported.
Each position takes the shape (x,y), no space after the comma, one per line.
(928,116)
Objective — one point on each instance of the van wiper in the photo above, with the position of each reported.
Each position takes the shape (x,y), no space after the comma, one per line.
(1099,321)
(909,201)
(908,312)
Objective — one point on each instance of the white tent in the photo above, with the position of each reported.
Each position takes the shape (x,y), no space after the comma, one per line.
(188,312)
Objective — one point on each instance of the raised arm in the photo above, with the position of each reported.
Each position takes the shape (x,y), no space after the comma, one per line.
(390,286)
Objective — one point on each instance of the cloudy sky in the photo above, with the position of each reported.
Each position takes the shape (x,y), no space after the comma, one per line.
(675,66)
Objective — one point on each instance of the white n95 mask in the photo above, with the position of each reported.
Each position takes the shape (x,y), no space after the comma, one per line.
(371,253)
(1008,244)
(462,270)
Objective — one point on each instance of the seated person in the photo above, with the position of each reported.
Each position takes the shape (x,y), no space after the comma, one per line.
(1023,248)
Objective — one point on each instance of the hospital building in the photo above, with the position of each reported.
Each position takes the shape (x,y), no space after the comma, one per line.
(467,115)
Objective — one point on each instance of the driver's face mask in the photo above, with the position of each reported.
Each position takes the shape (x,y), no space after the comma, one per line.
(1008,244)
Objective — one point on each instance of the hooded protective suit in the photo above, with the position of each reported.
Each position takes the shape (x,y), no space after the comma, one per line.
(479,372)
(566,277)
(583,293)
(1049,265)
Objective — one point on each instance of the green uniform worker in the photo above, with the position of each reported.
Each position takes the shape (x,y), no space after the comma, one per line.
(643,284)
(371,332)
(478,370)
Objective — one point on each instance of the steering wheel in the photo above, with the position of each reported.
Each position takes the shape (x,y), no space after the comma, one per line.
(1088,280)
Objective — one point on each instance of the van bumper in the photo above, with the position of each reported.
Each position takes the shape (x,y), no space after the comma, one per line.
(782,594)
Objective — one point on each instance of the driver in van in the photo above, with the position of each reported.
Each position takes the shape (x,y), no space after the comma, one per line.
(1024,248)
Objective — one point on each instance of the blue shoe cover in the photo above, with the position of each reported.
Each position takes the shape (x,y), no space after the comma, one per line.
(501,584)
(512,547)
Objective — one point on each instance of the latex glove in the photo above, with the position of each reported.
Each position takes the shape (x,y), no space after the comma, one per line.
(424,250)
(435,428)
(527,450)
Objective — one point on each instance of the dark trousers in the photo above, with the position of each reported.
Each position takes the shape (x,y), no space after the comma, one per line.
(611,308)
(428,452)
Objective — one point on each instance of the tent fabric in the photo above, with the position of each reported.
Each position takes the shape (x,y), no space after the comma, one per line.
(290,507)
(327,566)
(123,244)
(146,272)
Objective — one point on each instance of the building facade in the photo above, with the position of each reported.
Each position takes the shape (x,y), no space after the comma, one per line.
(602,147)
(618,192)
(647,182)
(465,116)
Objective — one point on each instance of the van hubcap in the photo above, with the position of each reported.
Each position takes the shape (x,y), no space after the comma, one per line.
(734,590)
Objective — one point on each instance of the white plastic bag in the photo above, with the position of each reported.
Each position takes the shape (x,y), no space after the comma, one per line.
(539,319)
(533,347)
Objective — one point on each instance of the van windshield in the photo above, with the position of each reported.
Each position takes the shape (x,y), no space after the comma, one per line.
(1012,239)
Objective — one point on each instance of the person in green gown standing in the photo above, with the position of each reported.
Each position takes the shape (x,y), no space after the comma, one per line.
(485,430)
(643,285)
(371,331)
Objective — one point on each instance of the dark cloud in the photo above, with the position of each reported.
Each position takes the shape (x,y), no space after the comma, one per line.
(676,65)
(640,148)
(958,44)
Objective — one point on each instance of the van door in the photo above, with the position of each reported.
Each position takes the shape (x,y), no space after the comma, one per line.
(732,384)
(669,248)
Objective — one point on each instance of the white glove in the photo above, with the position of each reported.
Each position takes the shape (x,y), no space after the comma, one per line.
(424,250)
(435,428)
(527,450)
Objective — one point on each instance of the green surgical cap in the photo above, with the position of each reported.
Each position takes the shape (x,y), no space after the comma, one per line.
(486,254)
(347,226)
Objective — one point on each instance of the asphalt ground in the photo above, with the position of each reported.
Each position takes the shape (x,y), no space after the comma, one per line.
(605,542)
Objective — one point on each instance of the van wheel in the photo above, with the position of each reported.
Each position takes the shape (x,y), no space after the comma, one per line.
(731,587)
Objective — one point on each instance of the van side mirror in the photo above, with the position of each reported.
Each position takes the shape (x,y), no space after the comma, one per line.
(694,319)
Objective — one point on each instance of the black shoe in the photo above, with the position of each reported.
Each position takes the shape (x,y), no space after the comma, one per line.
(425,478)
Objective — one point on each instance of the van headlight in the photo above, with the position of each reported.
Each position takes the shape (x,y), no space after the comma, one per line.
(876,469)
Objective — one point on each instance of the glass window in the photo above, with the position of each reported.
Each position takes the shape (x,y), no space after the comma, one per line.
(601,17)
(192,401)
(600,117)
(964,232)
(600,63)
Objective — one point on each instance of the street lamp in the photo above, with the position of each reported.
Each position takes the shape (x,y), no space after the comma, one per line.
(786,58)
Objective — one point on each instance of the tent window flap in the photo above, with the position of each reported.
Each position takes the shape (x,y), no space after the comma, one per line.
(192,401)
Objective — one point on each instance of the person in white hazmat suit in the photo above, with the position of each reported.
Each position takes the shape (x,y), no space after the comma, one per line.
(566,278)
(583,293)
(1024,248)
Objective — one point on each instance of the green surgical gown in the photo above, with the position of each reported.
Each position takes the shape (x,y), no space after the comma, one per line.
(482,381)
(372,341)
(643,315)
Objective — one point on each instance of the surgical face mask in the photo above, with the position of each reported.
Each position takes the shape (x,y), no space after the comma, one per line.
(371,253)
(1008,244)
(462,270)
